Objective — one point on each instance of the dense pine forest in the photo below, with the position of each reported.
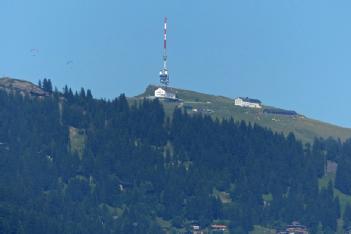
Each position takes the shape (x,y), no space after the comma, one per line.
(136,170)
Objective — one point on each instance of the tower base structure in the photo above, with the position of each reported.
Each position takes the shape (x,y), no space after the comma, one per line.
(164,78)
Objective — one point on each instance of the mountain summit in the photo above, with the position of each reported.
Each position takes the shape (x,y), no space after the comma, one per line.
(277,119)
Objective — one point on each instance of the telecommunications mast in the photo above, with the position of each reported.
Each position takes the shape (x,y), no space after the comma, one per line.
(164,77)
(163,92)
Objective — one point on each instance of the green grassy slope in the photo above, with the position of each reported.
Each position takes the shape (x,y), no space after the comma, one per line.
(223,107)
(344,199)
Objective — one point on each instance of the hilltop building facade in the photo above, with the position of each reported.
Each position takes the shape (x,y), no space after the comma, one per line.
(162,93)
(247,102)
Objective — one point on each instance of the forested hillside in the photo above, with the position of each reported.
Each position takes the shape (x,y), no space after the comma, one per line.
(138,171)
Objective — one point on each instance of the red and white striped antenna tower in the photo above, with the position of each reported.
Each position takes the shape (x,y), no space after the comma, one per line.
(164,77)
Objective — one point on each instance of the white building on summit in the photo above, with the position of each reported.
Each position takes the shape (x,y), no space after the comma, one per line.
(247,102)
(161,93)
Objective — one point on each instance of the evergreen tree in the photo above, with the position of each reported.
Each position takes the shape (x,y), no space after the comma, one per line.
(347,216)
(47,86)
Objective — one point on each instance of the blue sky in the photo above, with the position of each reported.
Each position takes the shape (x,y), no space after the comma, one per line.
(294,54)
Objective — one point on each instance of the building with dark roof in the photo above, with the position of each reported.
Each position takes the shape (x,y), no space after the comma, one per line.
(247,102)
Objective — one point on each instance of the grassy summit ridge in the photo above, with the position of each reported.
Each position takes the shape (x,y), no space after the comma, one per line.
(221,107)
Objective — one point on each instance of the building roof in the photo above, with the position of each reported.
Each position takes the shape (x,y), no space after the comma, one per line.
(247,99)
(278,111)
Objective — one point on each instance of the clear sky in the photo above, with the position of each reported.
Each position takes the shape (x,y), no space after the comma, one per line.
(293,54)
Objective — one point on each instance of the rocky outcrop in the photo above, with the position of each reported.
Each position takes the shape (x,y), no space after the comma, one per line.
(22,87)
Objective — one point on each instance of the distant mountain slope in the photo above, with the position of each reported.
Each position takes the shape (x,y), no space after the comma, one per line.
(304,128)
(22,87)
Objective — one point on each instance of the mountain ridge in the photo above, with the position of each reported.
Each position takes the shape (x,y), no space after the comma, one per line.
(305,128)
(217,106)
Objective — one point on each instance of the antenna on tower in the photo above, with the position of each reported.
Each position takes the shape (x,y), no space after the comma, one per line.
(163,93)
(164,77)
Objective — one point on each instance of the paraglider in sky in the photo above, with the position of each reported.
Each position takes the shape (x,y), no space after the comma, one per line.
(34,52)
